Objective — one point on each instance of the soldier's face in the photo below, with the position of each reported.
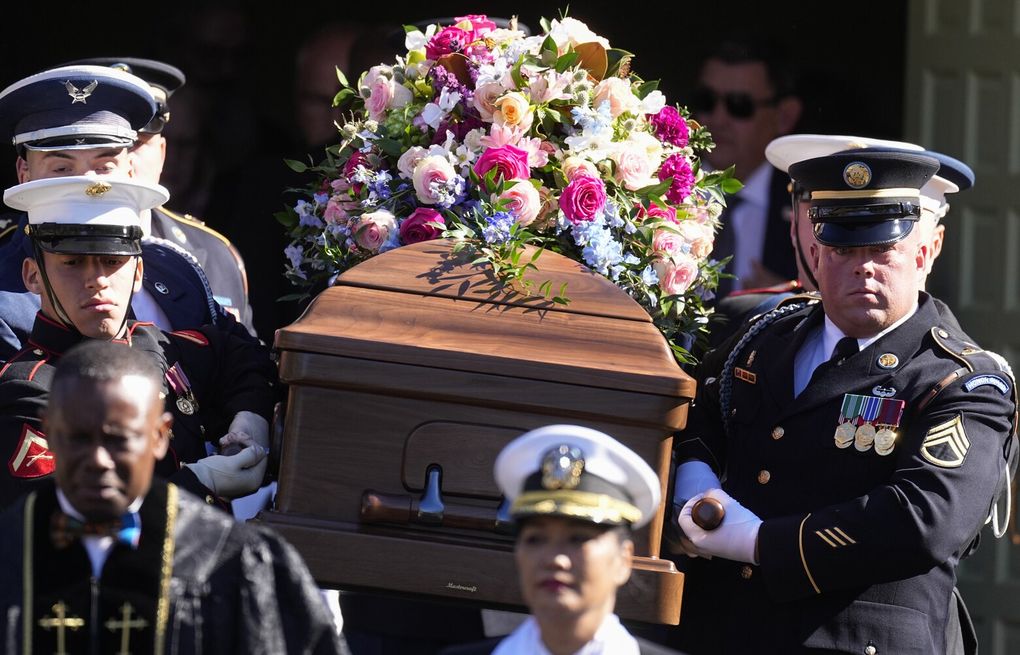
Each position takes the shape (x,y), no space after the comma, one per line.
(94,290)
(147,157)
(569,568)
(38,165)
(867,289)
(106,438)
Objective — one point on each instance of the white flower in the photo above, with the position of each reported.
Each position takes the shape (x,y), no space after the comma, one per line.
(415,40)
(652,103)
(572,32)
(433,113)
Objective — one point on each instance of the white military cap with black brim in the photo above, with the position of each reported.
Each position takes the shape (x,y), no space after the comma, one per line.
(86,214)
(75,107)
(162,78)
(577,473)
(864,198)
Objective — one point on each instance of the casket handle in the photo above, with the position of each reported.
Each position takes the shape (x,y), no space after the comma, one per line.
(431,507)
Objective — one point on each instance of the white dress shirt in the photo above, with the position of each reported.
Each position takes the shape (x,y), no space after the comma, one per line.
(610,639)
(749,220)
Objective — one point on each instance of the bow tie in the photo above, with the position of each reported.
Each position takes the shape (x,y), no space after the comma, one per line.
(64,529)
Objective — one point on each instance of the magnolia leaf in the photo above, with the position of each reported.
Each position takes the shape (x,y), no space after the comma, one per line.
(457,64)
(296,166)
(614,57)
(593,59)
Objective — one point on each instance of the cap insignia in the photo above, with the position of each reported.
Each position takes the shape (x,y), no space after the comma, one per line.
(857,175)
(97,189)
(80,95)
(562,467)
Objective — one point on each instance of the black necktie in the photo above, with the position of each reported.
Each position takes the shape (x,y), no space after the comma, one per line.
(726,244)
(845,347)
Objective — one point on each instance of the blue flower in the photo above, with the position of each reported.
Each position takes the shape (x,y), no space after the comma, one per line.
(649,277)
(497,227)
(295,254)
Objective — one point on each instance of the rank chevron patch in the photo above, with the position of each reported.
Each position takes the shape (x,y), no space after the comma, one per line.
(946,444)
(32,458)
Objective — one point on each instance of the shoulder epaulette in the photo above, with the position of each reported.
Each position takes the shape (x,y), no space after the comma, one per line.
(191,221)
(969,354)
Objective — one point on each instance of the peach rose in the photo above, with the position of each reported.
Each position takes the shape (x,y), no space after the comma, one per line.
(634,169)
(618,93)
(574,166)
(699,236)
(514,109)
(676,275)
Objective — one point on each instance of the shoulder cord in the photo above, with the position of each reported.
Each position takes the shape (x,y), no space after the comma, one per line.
(726,376)
(209,299)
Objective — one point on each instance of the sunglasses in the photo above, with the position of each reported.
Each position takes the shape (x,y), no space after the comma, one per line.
(738,104)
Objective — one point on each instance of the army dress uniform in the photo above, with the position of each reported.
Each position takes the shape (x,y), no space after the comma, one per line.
(195,582)
(209,377)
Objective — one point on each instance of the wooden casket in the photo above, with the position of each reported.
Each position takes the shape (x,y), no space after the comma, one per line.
(406,379)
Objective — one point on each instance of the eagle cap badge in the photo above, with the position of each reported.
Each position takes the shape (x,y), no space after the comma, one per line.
(80,95)
(562,467)
(857,175)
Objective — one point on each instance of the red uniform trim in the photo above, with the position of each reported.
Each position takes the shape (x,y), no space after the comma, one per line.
(192,335)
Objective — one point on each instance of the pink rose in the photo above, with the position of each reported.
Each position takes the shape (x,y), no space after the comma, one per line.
(524,201)
(449,40)
(421,226)
(379,90)
(429,170)
(654,211)
(510,163)
(633,166)
(373,229)
(666,243)
(485,98)
(334,212)
(477,23)
(676,275)
(583,198)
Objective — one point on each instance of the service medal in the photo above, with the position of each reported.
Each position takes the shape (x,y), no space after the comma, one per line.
(845,434)
(885,441)
(186,406)
(864,437)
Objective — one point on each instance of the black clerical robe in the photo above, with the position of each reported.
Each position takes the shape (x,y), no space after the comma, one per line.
(198,582)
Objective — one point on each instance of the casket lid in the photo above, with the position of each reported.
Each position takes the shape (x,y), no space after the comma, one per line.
(425,305)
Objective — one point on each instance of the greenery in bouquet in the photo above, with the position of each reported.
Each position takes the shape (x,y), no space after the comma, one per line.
(500,141)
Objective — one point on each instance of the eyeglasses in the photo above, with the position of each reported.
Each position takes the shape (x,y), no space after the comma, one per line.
(738,104)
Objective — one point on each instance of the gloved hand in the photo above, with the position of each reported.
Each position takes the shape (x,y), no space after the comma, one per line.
(736,538)
(246,429)
(231,476)
(692,478)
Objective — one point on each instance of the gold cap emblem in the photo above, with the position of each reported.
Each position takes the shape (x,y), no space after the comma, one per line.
(857,175)
(562,467)
(888,360)
(97,189)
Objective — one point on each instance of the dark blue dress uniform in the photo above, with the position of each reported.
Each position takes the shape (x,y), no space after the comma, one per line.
(172,277)
(217,257)
(226,375)
(197,583)
(874,481)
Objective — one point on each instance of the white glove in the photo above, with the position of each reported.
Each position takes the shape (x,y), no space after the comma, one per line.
(692,478)
(736,537)
(246,429)
(232,475)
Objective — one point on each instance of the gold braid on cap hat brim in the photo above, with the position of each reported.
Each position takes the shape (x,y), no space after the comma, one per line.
(866,193)
(584,505)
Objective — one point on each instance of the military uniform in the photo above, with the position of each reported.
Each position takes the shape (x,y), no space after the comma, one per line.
(198,582)
(172,278)
(217,257)
(860,543)
(222,375)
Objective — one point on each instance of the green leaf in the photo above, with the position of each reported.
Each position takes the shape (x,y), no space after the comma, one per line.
(545,24)
(566,61)
(342,95)
(646,88)
(655,190)
(286,218)
(515,74)
(410,28)
(340,76)
(296,166)
(614,57)
(732,185)
(391,147)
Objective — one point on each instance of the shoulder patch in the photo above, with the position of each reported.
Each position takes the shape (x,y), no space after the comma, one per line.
(810,297)
(946,444)
(193,336)
(32,457)
(987,380)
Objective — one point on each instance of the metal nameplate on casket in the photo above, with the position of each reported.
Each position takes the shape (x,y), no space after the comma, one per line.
(412,372)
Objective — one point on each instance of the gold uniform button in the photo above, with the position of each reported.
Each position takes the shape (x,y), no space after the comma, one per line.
(746,572)
(764,476)
(778,432)
(209,500)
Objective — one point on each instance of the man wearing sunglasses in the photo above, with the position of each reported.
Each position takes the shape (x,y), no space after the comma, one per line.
(746,97)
